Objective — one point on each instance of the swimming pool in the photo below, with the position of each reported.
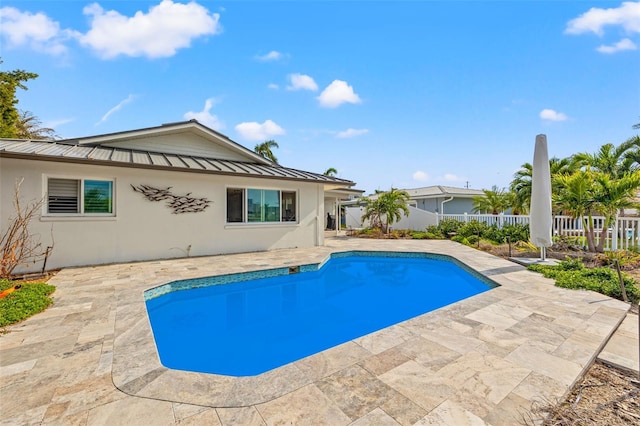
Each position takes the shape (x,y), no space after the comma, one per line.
(249,327)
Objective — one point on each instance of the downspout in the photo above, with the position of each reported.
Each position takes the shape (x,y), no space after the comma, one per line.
(337,216)
(442,204)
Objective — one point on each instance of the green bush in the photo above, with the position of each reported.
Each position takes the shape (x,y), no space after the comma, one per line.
(472,239)
(516,232)
(435,232)
(473,228)
(434,236)
(23,303)
(450,228)
(493,234)
(447,227)
(573,274)
(460,239)
(418,235)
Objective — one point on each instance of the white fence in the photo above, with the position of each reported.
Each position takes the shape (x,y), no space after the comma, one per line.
(418,219)
(624,233)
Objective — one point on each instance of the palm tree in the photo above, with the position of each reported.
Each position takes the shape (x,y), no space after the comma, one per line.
(610,159)
(386,209)
(631,159)
(29,126)
(521,183)
(613,195)
(577,197)
(331,171)
(264,149)
(495,201)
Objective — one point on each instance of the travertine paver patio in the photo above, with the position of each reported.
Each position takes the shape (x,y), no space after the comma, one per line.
(90,358)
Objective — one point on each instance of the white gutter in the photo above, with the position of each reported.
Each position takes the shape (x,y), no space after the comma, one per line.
(442,205)
(337,216)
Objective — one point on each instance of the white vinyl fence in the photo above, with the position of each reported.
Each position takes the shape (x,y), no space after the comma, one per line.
(418,219)
(624,233)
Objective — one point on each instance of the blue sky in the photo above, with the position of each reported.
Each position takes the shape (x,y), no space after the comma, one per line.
(402,94)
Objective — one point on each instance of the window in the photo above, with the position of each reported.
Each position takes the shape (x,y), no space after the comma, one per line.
(260,205)
(263,205)
(288,206)
(79,196)
(235,203)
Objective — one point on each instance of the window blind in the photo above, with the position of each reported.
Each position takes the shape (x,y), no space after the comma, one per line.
(63,195)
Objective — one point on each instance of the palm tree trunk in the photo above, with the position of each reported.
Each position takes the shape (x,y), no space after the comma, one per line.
(587,223)
(603,233)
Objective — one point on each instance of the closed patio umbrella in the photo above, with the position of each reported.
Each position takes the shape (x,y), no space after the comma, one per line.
(540,211)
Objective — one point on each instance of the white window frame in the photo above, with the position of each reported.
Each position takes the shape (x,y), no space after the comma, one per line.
(81,214)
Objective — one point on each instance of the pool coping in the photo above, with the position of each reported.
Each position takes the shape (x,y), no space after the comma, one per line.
(137,371)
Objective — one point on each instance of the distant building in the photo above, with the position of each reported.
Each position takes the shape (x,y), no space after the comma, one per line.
(438,199)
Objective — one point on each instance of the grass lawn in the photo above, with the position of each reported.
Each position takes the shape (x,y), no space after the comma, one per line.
(25,301)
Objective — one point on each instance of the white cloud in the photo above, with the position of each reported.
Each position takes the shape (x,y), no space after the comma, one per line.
(116,108)
(35,31)
(337,93)
(626,15)
(254,131)
(351,133)
(52,124)
(273,86)
(205,117)
(450,177)
(551,115)
(301,82)
(271,56)
(624,44)
(420,176)
(159,33)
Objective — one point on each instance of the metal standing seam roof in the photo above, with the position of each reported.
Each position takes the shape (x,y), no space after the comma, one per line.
(70,152)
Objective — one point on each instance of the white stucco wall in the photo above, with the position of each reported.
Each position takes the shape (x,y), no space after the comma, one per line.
(145,230)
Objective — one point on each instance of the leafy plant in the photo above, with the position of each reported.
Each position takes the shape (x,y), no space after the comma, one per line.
(572,273)
(23,303)
(446,227)
(386,208)
(473,227)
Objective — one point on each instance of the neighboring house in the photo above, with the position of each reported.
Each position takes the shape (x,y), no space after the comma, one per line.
(175,190)
(442,199)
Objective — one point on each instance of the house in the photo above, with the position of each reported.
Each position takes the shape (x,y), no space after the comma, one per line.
(441,199)
(176,190)
(444,199)
(424,206)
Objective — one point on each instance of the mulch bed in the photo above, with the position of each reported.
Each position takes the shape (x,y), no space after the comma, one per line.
(605,396)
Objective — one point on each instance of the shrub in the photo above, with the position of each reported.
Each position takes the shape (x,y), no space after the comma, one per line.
(623,257)
(461,239)
(493,234)
(472,239)
(473,228)
(419,235)
(516,232)
(448,226)
(432,236)
(435,232)
(23,303)
(573,274)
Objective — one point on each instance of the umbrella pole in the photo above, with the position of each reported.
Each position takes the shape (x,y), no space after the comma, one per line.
(543,253)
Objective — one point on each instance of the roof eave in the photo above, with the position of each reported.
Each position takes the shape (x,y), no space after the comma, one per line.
(109,163)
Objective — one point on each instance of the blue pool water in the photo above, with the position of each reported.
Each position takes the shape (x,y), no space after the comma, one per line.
(247,328)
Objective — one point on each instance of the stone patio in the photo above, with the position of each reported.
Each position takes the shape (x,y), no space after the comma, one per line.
(91,359)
